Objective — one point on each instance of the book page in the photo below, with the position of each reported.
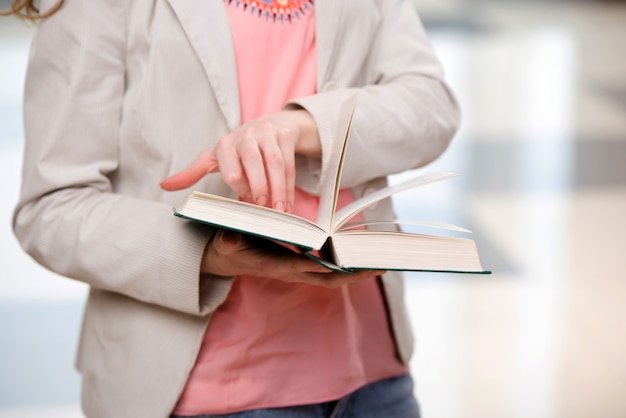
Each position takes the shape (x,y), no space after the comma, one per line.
(358,249)
(348,211)
(252,219)
(392,224)
(332,178)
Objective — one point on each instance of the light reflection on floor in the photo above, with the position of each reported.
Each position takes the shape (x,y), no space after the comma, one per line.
(542,158)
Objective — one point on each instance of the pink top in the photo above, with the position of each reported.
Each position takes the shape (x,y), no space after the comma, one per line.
(274,343)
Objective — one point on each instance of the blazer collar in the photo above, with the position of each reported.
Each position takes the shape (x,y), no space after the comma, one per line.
(206,24)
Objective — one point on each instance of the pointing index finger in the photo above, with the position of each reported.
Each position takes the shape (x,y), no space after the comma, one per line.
(205,163)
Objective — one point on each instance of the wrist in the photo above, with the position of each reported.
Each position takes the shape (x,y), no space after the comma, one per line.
(308,141)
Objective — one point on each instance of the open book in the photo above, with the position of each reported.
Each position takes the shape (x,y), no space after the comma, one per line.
(332,240)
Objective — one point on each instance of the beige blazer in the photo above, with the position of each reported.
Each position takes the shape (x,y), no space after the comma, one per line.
(122,93)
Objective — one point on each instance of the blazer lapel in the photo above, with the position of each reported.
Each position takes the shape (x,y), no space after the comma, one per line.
(327,18)
(206,24)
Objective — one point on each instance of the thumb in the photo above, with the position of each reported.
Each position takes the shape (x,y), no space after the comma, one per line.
(227,242)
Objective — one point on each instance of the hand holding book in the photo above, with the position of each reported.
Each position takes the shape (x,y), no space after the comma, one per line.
(231,253)
(331,240)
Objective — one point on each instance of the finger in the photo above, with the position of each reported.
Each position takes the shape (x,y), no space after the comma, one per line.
(205,163)
(275,169)
(286,267)
(231,155)
(333,280)
(286,144)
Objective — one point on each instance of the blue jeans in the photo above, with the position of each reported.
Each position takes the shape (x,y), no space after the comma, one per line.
(388,398)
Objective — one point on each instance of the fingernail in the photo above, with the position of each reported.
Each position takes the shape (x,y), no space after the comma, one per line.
(261,200)
(280,205)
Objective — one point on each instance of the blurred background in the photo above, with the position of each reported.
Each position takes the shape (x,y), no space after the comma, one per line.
(542,163)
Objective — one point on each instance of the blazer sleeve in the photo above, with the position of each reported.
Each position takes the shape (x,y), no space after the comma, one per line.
(69,217)
(405,113)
